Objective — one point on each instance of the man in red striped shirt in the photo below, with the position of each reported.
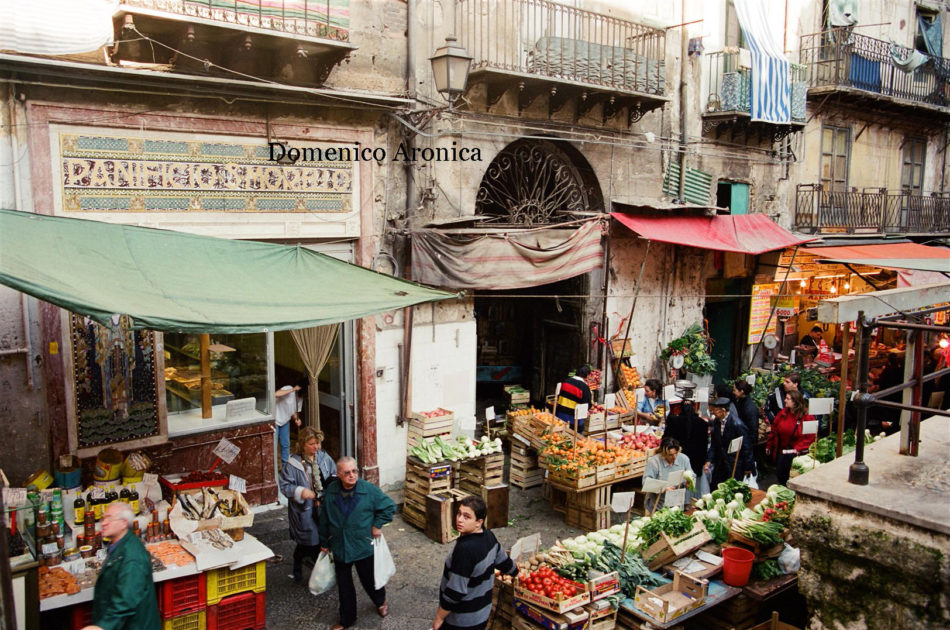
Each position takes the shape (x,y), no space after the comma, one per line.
(574,391)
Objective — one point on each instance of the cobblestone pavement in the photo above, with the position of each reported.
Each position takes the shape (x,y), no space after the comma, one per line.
(412,593)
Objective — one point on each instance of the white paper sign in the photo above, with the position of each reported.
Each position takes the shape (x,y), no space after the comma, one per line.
(527,544)
(820,406)
(654,486)
(675,497)
(580,411)
(49,548)
(810,427)
(669,392)
(702,395)
(610,400)
(750,379)
(98,493)
(149,478)
(490,412)
(226,450)
(735,445)
(14,497)
(675,478)
(622,501)
(237,484)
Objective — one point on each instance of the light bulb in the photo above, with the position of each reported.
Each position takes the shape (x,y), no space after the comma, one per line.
(847,285)
(803,283)
(834,289)
(944,343)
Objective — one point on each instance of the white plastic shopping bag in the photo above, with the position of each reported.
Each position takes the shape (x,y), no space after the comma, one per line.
(383,566)
(323,577)
(750,480)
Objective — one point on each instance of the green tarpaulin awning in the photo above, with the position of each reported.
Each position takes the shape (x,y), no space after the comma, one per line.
(172,281)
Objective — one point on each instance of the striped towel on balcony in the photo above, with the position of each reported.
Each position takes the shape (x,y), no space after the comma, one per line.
(771,89)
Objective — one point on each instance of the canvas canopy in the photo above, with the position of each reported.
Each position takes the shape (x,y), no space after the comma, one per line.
(177,282)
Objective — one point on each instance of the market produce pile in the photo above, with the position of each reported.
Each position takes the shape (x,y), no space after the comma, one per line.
(435,450)
(560,454)
(824,450)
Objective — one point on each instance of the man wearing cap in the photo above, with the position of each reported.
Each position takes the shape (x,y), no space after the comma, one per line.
(726,427)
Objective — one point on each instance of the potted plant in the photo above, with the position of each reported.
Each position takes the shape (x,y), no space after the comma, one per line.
(693,346)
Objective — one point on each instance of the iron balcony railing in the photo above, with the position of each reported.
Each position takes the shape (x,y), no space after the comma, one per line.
(874,211)
(840,57)
(548,39)
(730,84)
(324,19)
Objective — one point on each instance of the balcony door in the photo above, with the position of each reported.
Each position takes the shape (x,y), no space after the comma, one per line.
(835,164)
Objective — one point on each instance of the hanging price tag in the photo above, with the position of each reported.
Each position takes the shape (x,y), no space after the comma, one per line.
(14,497)
(49,549)
(226,450)
(237,484)
(97,493)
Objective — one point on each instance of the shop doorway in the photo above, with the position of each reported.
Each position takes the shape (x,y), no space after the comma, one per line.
(728,320)
(529,337)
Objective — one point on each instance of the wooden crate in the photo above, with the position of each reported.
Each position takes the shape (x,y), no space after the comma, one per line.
(581,479)
(761,551)
(441,508)
(557,497)
(667,549)
(595,422)
(526,480)
(496,500)
(773,624)
(587,519)
(414,516)
(606,472)
(595,499)
(503,605)
(483,471)
(524,471)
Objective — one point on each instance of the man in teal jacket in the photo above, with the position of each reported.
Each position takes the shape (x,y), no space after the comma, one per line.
(353,514)
(124,598)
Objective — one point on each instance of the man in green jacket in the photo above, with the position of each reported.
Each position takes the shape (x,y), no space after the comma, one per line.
(353,514)
(124,598)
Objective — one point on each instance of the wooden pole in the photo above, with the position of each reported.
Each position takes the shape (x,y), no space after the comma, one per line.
(626,530)
(843,387)
(204,341)
(736,461)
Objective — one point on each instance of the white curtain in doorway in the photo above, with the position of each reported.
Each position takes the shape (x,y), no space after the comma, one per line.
(314,345)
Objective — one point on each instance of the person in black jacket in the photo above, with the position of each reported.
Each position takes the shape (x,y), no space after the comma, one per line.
(725,428)
(692,432)
(748,412)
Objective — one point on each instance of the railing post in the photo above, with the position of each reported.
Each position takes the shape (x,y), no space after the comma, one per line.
(859,473)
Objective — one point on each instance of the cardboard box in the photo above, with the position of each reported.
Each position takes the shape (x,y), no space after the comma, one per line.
(604,586)
(569,620)
(667,602)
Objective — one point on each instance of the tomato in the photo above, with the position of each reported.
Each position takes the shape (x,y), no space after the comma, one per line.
(569,591)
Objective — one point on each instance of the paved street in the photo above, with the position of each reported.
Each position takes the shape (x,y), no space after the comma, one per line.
(413,591)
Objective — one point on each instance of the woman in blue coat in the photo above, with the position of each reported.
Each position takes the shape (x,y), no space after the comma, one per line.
(302,480)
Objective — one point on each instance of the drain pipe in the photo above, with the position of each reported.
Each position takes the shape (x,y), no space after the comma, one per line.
(682,186)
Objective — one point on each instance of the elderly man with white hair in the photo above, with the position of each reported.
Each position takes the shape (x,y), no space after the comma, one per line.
(124,598)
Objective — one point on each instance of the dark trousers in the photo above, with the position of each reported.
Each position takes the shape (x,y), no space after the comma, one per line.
(448,626)
(301,552)
(783,467)
(347,590)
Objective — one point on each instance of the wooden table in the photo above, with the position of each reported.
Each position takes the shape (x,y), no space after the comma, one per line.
(762,590)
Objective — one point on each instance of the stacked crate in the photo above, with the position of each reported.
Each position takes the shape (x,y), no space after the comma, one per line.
(182,602)
(524,472)
(589,510)
(421,480)
(236,598)
(475,474)
(427,425)
(517,396)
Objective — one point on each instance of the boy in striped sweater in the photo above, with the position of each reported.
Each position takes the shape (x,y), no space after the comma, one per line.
(469,573)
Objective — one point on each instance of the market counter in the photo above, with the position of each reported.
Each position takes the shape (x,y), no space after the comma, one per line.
(631,617)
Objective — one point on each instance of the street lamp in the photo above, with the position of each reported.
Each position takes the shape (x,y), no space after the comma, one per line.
(450,66)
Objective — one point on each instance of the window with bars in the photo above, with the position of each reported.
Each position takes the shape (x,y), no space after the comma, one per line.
(835,158)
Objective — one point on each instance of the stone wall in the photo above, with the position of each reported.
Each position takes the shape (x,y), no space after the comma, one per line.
(863,570)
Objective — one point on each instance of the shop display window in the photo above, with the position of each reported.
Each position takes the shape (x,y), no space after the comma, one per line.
(238,372)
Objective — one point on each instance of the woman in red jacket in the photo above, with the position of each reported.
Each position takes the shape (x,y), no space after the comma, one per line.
(786,439)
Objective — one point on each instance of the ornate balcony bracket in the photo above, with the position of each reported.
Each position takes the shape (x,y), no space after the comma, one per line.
(740,126)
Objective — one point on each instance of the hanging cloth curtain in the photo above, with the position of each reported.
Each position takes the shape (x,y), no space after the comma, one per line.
(771,87)
(314,345)
(932,34)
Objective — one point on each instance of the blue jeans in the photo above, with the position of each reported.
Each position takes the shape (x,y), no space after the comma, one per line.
(283,439)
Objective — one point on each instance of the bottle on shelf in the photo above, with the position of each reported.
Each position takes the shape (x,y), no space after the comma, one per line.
(134,500)
(124,495)
(111,496)
(79,509)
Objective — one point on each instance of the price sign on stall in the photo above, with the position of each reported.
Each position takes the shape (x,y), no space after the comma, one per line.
(735,445)
(226,450)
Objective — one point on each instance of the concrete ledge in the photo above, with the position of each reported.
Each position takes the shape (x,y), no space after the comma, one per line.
(913,490)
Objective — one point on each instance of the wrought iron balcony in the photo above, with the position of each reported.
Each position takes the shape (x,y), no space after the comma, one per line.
(321,19)
(840,59)
(539,43)
(870,211)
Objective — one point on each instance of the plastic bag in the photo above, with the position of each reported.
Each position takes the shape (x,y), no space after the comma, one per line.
(323,576)
(383,566)
(750,480)
(790,560)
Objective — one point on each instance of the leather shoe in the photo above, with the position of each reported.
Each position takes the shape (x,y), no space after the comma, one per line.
(383,610)
(338,627)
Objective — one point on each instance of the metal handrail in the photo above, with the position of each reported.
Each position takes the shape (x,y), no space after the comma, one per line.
(841,57)
(552,40)
(309,18)
(818,209)
(730,84)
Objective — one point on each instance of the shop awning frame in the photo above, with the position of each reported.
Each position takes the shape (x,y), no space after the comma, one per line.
(904,255)
(750,234)
(178,282)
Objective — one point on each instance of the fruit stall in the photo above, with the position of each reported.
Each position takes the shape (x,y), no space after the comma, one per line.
(208,572)
(712,565)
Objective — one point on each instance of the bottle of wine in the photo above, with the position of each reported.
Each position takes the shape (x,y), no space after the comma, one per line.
(79,509)
(124,495)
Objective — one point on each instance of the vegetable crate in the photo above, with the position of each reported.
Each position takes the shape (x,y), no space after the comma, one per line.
(196,620)
(667,602)
(595,422)
(517,395)
(524,471)
(182,595)
(587,519)
(606,472)
(760,550)
(502,602)
(560,605)
(224,582)
(574,478)
(604,586)
(246,611)
(666,549)
(440,515)
(419,484)
(568,620)
(596,499)
(425,425)
(488,470)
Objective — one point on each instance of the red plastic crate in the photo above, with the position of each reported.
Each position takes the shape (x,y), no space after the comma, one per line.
(81,616)
(245,611)
(183,595)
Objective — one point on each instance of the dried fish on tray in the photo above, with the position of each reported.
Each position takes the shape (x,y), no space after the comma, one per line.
(209,508)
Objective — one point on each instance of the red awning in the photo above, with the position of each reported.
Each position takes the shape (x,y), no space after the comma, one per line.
(741,233)
(890,255)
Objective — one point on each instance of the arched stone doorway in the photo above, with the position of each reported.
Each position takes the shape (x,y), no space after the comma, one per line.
(535,182)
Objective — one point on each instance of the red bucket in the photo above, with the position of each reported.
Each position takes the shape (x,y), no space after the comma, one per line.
(736,565)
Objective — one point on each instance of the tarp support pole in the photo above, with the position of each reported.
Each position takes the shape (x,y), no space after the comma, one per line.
(204,341)
(843,386)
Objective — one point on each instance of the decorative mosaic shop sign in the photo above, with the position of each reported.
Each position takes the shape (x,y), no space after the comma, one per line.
(177,173)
